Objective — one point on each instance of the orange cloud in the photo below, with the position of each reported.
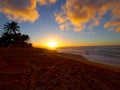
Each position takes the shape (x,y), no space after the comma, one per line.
(81,14)
(46,2)
(114,24)
(22,10)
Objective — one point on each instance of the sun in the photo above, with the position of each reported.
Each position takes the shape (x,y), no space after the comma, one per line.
(52,44)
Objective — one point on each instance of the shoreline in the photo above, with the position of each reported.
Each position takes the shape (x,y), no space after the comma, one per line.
(40,69)
(106,55)
(75,56)
(80,58)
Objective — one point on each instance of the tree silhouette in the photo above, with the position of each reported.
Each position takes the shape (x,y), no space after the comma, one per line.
(11,27)
(6,39)
(13,38)
(25,38)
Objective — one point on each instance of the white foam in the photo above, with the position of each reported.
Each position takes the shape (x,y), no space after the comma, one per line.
(106,55)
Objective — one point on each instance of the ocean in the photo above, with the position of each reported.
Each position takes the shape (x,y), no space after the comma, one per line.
(102,54)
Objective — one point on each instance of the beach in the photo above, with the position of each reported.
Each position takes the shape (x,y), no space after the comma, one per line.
(41,69)
(109,55)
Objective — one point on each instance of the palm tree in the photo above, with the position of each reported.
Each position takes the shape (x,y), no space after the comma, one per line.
(25,38)
(12,36)
(6,39)
(11,27)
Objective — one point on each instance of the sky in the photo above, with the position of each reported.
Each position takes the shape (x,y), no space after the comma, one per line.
(68,22)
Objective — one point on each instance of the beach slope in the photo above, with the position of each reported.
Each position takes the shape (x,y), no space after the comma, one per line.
(39,69)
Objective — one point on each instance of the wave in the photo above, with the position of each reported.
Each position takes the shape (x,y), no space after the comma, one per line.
(108,55)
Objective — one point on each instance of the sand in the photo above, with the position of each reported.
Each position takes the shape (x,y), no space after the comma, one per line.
(39,69)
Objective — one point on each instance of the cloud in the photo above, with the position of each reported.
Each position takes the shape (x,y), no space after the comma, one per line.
(46,2)
(82,14)
(22,10)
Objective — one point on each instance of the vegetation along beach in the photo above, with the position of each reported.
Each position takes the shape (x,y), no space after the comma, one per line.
(59,44)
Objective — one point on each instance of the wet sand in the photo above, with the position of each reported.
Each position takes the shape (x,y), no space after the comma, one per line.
(39,69)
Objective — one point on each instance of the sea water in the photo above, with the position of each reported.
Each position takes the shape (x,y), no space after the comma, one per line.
(102,54)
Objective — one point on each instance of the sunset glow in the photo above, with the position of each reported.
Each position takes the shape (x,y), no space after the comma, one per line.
(52,44)
(67,22)
(60,44)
